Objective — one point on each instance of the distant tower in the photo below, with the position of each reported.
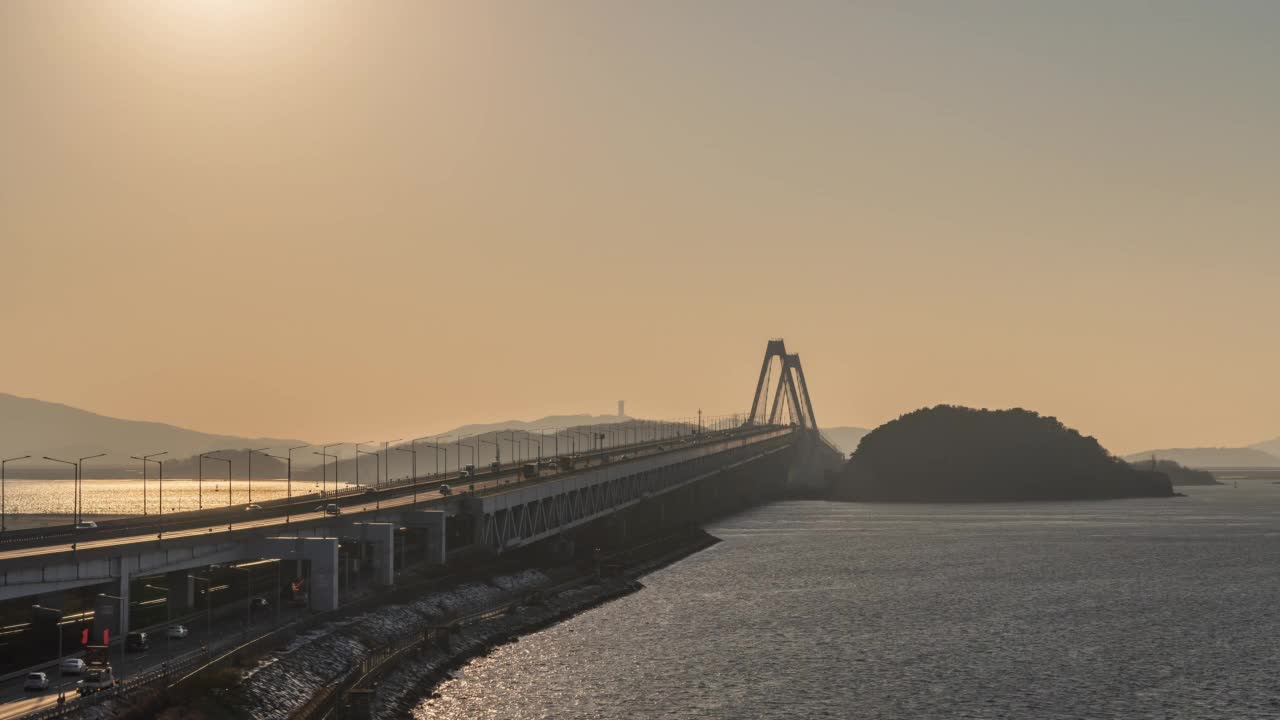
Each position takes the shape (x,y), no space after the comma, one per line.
(621,411)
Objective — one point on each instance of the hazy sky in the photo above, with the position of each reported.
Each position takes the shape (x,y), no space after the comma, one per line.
(326,219)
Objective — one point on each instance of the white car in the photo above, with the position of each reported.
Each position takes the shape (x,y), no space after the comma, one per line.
(72,666)
(178,631)
(445,489)
(253,506)
(36,681)
(86,525)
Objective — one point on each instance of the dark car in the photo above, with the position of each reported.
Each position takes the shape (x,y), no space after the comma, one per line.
(137,642)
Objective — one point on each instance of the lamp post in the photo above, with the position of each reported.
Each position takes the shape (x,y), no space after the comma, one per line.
(2,464)
(75,486)
(325,448)
(57,624)
(323,464)
(288,458)
(146,459)
(160,522)
(358,451)
(493,443)
(249,475)
(123,641)
(248,596)
(208,608)
(413,470)
(377,469)
(80,483)
(440,449)
(475,457)
(515,456)
(386,460)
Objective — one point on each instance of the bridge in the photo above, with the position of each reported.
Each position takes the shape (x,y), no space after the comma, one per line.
(135,573)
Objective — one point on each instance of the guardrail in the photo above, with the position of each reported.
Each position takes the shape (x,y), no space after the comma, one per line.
(179,664)
(188,519)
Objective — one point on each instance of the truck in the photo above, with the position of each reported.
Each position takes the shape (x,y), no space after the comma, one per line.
(495,466)
(97,677)
(529,471)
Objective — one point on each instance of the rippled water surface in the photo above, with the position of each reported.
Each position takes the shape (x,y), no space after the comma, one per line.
(1119,609)
(125,497)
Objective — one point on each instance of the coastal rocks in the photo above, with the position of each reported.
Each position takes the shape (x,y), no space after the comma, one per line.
(313,660)
(417,677)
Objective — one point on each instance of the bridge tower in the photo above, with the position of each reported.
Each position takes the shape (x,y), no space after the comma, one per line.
(791,393)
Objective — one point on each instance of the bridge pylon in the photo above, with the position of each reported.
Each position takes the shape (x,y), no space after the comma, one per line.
(790,395)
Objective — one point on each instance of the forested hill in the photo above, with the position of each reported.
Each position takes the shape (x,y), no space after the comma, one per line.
(958,453)
(1178,474)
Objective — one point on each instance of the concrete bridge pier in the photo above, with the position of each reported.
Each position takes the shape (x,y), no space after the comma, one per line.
(181,589)
(382,537)
(430,524)
(322,554)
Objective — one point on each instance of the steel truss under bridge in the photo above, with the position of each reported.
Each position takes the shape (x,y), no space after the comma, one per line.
(791,393)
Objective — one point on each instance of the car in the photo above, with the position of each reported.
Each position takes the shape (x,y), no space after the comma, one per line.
(259,602)
(332,509)
(72,666)
(137,642)
(36,681)
(445,489)
(371,491)
(253,506)
(177,631)
(86,525)
(319,508)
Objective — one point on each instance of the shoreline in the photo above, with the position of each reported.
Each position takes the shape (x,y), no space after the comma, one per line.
(417,680)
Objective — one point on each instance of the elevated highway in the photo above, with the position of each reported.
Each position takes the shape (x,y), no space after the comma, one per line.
(419,521)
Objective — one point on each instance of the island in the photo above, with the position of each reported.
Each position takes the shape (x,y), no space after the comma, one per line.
(952,453)
(1178,474)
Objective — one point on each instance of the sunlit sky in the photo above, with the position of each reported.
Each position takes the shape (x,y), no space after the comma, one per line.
(324,219)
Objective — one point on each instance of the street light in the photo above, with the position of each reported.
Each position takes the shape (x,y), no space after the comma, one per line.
(74,488)
(250,474)
(123,641)
(515,456)
(491,442)
(80,482)
(377,469)
(323,472)
(288,458)
(475,457)
(386,460)
(57,624)
(2,464)
(413,470)
(208,608)
(146,459)
(358,451)
(323,465)
(440,449)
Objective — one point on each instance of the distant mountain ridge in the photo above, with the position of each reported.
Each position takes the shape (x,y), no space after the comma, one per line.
(1200,458)
(38,428)
(1271,446)
(547,423)
(844,437)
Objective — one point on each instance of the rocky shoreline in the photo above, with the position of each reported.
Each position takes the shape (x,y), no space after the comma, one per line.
(417,677)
